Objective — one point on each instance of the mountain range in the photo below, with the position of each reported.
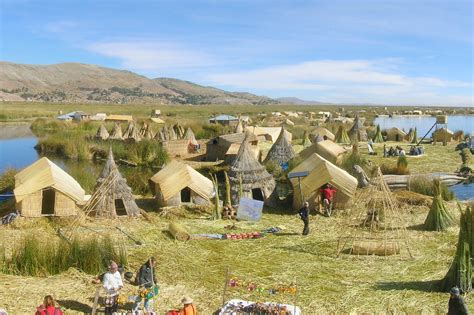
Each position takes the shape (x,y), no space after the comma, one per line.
(76,82)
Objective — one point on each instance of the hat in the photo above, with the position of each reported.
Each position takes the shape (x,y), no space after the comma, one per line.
(187,300)
(455,291)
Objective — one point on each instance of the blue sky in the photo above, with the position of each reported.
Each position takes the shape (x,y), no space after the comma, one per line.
(350,51)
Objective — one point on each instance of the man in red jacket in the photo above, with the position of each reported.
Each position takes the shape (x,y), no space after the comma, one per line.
(327,195)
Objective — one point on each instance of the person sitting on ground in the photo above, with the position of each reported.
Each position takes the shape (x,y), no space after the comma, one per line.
(304,216)
(413,151)
(112,283)
(146,279)
(456,305)
(391,151)
(48,307)
(401,151)
(188,307)
(327,193)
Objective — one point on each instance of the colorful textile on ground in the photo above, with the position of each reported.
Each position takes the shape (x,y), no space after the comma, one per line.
(266,308)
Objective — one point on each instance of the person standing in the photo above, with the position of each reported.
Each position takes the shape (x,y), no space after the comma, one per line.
(456,305)
(304,215)
(146,280)
(112,283)
(327,193)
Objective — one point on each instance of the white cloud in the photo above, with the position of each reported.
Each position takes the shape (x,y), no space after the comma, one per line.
(152,56)
(375,81)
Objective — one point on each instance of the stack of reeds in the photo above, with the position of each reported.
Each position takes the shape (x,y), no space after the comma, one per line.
(178,231)
(439,218)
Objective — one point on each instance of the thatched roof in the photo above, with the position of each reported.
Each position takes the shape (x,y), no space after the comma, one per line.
(395,134)
(119,118)
(270,133)
(132,132)
(111,186)
(42,174)
(172,134)
(116,133)
(190,137)
(157,120)
(321,131)
(176,175)
(102,133)
(322,171)
(327,149)
(246,169)
(239,128)
(281,151)
(358,130)
(179,130)
(342,136)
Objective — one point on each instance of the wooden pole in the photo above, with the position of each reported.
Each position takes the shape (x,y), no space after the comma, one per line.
(225,286)
(96,301)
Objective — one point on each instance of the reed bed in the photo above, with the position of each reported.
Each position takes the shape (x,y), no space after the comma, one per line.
(327,284)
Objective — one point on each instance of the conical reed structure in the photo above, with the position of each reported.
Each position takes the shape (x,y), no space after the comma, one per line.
(239,128)
(460,273)
(281,151)
(358,132)
(116,133)
(190,137)
(249,176)
(415,136)
(306,140)
(112,196)
(439,218)
(102,133)
(143,129)
(172,133)
(342,136)
(132,132)
(375,225)
(378,138)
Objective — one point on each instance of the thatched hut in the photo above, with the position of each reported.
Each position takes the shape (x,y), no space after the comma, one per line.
(112,196)
(116,133)
(248,177)
(239,128)
(268,133)
(327,149)
(358,131)
(395,134)
(179,183)
(342,136)
(179,130)
(44,189)
(442,134)
(323,133)
(172,134)
(132,132)
(102,133)
(321,172)
(281,151)
(193,144)
(226,147)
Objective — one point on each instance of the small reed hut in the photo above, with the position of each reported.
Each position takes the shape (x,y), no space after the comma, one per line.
(248,177)
(178,183)
(281,151)
(102,133)
(44,189)
(321,132)
(327,149)
(116,133)
(112,196)
(322,172)
(358,131)
(442,134)
(396,134)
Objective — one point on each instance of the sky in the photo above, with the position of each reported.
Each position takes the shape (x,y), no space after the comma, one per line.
(403,52)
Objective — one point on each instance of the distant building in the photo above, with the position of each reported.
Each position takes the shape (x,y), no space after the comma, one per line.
(99,117)
(119,118)
(225,120)
(81,116)
(66,117)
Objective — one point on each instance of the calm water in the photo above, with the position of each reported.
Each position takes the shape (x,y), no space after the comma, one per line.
(424,123)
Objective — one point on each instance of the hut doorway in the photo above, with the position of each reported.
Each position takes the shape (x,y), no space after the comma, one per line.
(257,194)
(120,207)
(397,138)
(186,194)
(47,203)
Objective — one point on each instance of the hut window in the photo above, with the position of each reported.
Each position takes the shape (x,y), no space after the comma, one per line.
(257,194)
(186,195)
(120,207)
(47,203)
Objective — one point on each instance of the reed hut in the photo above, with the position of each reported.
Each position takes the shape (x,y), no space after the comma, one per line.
(172,134)
(239,128)
(143,129)
(160,136)
(321,172)
(342,136)
(358,132)
(248,177)
(281,151)
(112,196)
(102,133)
(378,138)
(327,149)
(44,189)
(179,183)
(227,146)
(442,134)
(268,133)
(132,132)
(396,134)
(179,130)
(116,133)
(193,145)
(322,132)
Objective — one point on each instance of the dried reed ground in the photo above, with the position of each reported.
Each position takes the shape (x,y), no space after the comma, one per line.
(326,284)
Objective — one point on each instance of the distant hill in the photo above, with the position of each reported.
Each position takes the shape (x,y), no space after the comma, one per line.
(297,101)
(76,82)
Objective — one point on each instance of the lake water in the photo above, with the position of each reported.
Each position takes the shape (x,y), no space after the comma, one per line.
(424,123)
(20,152)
